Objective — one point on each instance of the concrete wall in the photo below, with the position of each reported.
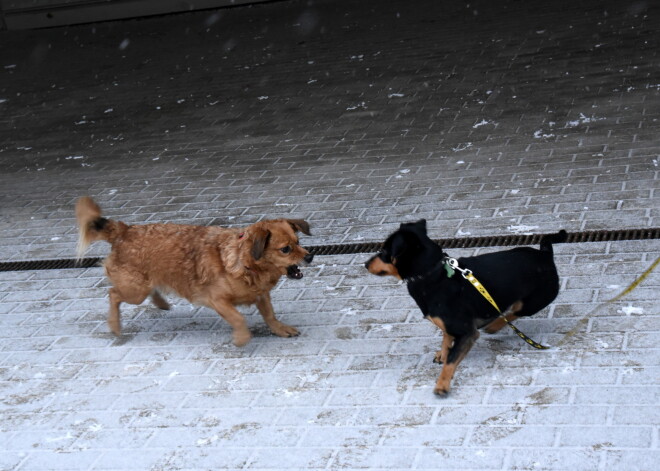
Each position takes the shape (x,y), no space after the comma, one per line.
(27,14)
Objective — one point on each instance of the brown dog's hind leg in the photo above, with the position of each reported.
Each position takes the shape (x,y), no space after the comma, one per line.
(116,298)
(462,346)
(133,295)
(114,319)
(510,316)
(159,301)
(278,328)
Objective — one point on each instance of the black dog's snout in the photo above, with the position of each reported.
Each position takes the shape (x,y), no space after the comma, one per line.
(308,258)
(368,262)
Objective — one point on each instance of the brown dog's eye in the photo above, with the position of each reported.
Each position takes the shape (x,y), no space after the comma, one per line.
(286,249)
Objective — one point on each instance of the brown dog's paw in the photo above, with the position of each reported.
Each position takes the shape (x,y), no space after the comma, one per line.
(283,330)
(160,302)
(241,338)
(441,392)
(115,326)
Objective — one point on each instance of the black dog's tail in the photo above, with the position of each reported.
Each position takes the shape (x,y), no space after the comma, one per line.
(548,240)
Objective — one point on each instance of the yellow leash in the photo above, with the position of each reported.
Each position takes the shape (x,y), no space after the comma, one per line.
(632,286)
(467,274)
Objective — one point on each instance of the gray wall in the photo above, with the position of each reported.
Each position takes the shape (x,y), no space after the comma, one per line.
(26,14)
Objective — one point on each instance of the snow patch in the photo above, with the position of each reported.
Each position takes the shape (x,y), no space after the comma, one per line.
(483,122)
(629,309)
(582,120)
(68,436)
(207,441)
(522,229)
(540,135)
(362,105)
(461,147)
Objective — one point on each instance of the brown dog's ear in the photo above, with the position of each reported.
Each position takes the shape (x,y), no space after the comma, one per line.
(259,242)
(299,225)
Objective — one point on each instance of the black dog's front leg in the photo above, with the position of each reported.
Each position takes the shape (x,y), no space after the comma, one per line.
(462,345)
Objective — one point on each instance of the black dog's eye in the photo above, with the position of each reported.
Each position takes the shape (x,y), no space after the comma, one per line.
(286,249)
(385,257)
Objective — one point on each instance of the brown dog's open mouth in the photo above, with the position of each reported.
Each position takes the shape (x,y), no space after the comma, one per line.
(294,272)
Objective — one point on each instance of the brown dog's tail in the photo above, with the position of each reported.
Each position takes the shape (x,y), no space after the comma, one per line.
(92,226)
(549,239)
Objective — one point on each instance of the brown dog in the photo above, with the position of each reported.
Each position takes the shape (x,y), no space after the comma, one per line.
(212,266)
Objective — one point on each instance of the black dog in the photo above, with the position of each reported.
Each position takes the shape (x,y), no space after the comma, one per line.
(522,281)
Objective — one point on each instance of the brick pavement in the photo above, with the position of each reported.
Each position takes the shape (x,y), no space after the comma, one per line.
(355,390)
(492,118)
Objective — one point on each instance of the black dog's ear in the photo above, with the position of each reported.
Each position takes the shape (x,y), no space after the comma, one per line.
(398,246)
(419,226)
(299,225)
(259,243)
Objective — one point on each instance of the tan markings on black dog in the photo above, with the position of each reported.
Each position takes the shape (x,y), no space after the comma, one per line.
(443,385)
(212,266)
(510,316)
(447,341)
(378,267)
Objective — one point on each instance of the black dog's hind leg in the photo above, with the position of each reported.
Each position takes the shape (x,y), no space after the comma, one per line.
(457,352)
(510,315)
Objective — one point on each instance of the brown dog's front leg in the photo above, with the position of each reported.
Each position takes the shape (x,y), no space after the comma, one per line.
(278,328)
(234,318)
(462,346)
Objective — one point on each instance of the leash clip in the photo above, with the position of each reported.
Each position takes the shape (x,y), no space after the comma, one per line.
(453,263)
